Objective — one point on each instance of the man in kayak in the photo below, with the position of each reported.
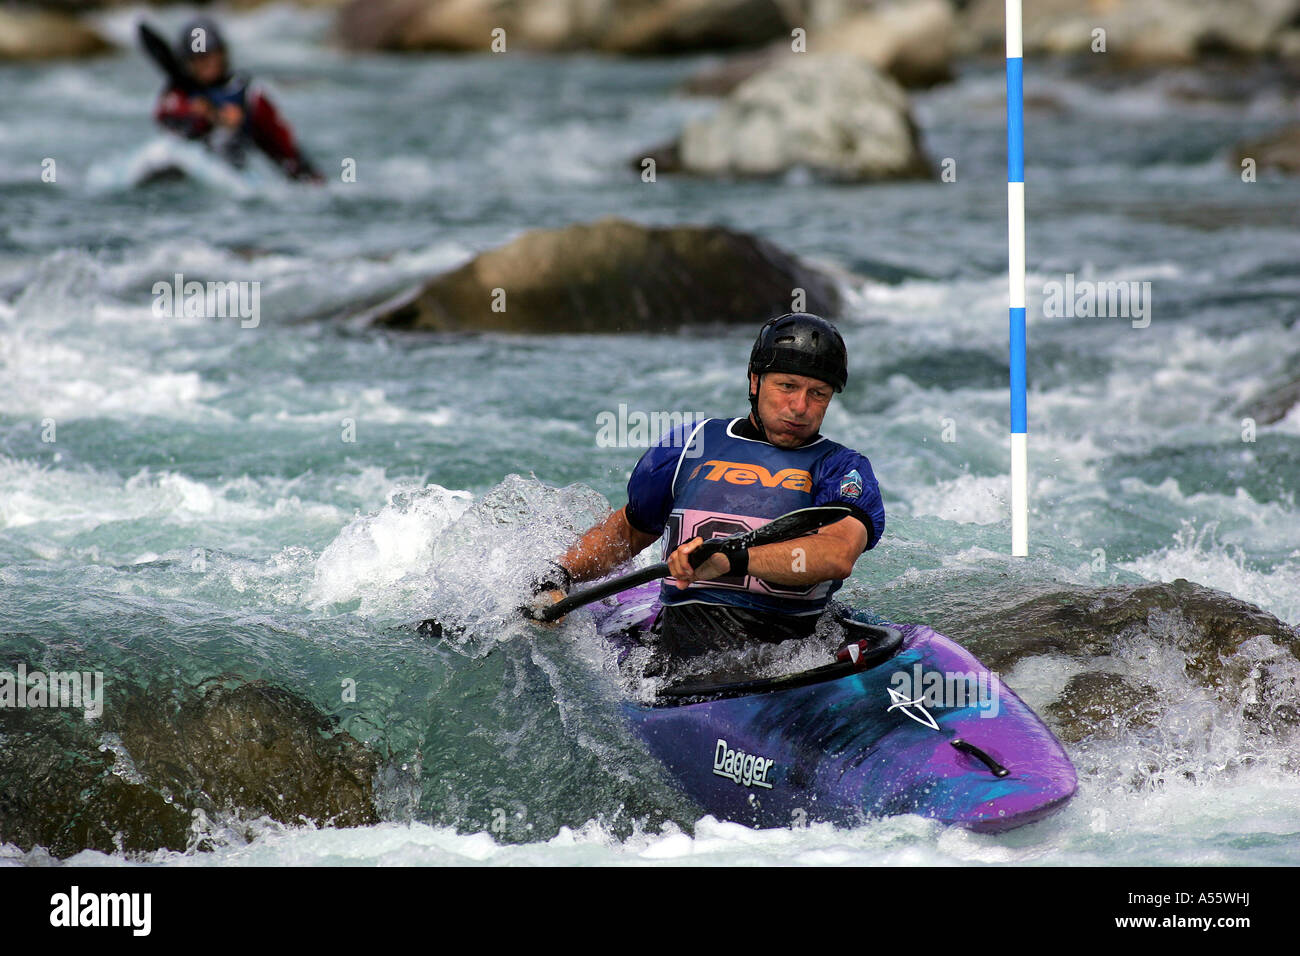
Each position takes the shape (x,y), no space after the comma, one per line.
(728,475)
(224,109)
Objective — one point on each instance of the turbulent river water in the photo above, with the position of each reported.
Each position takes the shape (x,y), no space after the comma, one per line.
(275,503)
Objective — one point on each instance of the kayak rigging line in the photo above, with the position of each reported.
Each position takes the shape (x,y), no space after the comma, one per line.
(969,748)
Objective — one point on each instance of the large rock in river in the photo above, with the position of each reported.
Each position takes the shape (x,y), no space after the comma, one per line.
(615,276)
(683,26)
(45,35)
(1278,151)
(622,26)
(1139,31)
(911,40)
(161,760)
(453,25)
(1275,403)
(835,115)
(1118,637)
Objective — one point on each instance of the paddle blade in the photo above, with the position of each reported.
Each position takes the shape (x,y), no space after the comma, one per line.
(161,53)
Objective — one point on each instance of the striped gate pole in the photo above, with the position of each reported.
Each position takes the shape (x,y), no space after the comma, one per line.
(1016,277)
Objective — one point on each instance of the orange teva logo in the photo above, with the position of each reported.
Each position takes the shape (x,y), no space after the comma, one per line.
(742,473)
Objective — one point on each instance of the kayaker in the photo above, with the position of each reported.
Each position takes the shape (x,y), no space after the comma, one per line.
(727,475)
(224,109)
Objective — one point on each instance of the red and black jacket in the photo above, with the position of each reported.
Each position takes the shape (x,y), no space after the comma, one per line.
(184,114)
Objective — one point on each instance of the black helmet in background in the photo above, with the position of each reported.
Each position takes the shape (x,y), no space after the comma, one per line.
(200,35)
(801,343)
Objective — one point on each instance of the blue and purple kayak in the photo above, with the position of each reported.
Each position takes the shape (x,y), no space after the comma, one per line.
(906,721)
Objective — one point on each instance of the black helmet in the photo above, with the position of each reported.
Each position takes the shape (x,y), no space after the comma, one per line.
(212,40)
(801,344)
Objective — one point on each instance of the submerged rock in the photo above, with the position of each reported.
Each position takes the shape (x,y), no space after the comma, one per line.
(64,788)
(1275,403)
(1097,704)
(615,276)
(158,760)
(833,114)
(1242,655)
(1085,621)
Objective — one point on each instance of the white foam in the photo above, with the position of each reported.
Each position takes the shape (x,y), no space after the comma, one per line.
(66,503)
(969,499)
(1102,825)
(1197,556)
(374,552)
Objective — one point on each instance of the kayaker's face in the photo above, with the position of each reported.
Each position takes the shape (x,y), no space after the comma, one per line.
(791,406)
(208,68)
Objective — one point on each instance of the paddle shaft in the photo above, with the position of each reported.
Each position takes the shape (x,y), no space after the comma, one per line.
(613,586)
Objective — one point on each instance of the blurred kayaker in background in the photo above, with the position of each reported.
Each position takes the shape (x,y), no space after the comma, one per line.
(205,101)
(723,476)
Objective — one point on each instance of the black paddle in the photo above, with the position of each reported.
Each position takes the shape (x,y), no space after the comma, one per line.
(161,53)
(796,524)
(869,653)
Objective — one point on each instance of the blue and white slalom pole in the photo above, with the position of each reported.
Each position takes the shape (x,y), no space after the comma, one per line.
(1016,275)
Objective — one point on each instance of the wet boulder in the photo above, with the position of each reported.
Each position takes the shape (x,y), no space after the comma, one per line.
(1234,651)
(835,115)
(1275,402)
(1278,152)
(614,26)
(685,26)
(1085,621)
(615,276)
(913,41)
(254,748)
(160,760)
(429,25)
(1097,704)
(28,34)
(1138,32)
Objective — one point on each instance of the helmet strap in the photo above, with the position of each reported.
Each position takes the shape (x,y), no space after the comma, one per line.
(753,407)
